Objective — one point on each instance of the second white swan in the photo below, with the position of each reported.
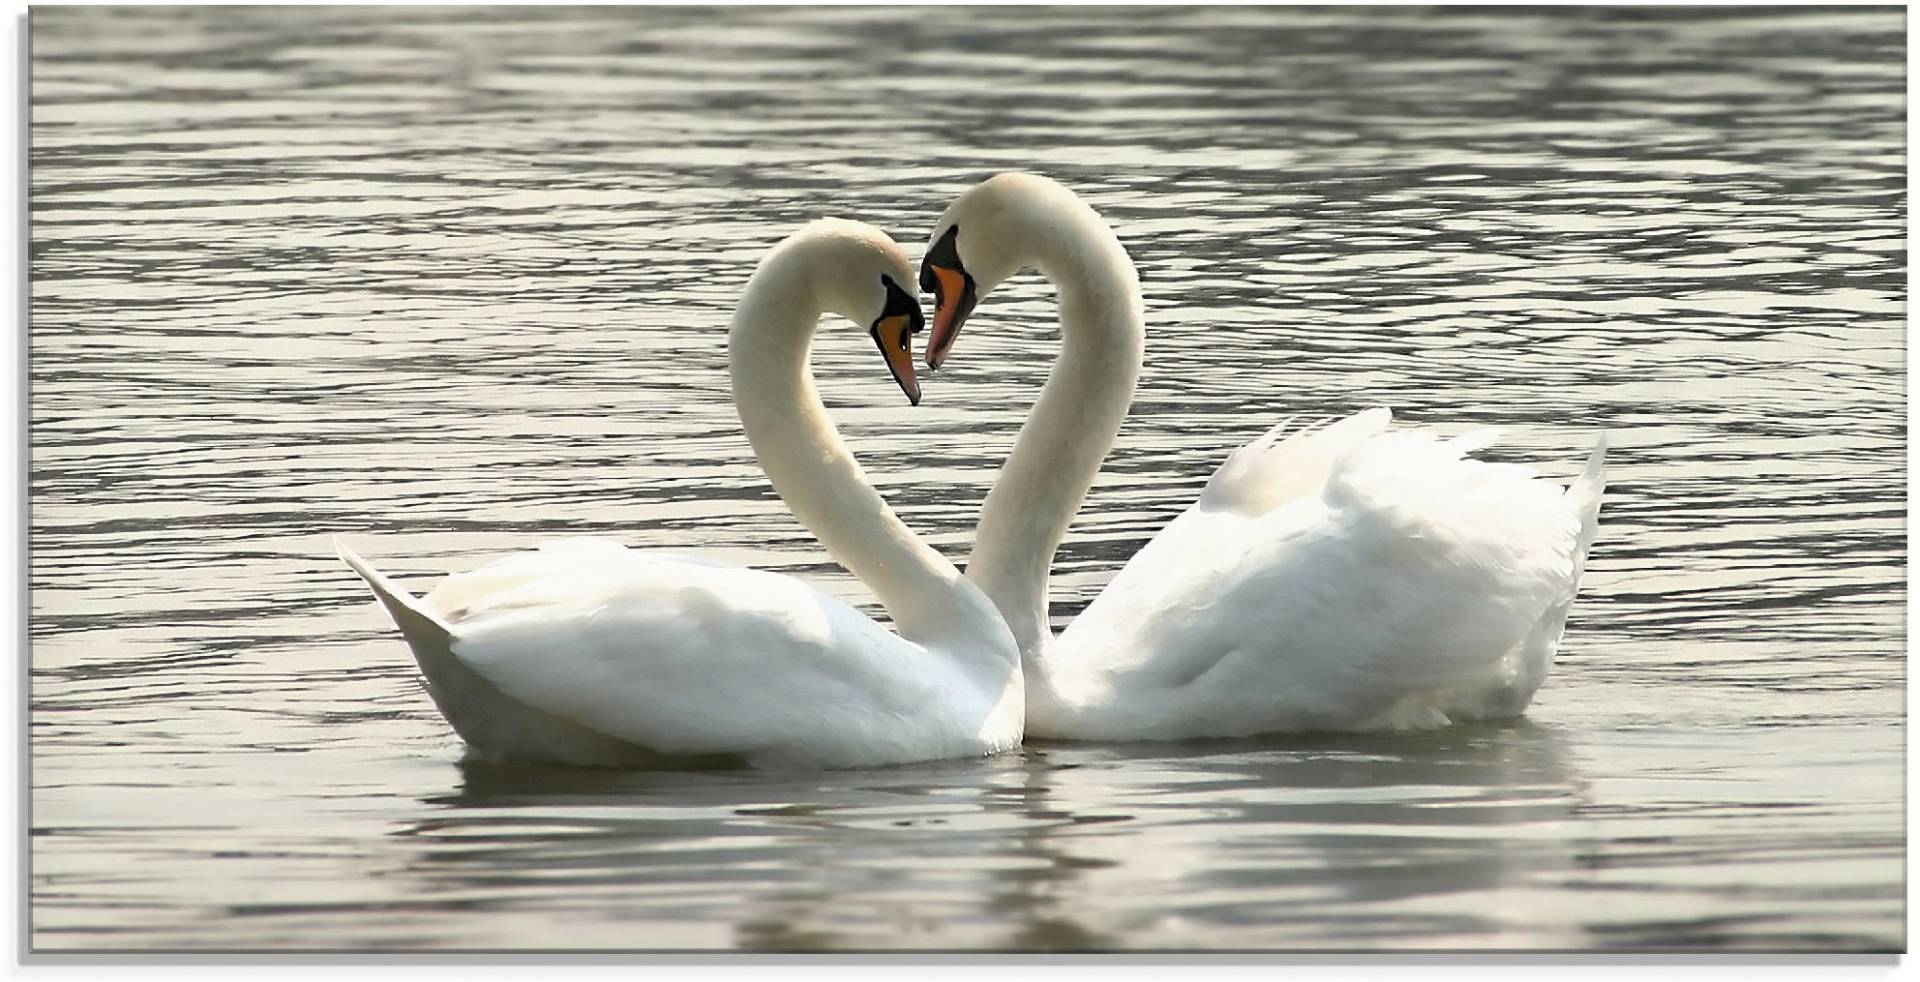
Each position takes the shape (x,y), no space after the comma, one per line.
(1340,578)
(585,652)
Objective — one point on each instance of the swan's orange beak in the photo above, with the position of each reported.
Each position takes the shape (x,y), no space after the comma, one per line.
(953,300)
(945,276)
(894,335)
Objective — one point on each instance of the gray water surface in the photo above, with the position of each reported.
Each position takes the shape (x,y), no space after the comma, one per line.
(449,281)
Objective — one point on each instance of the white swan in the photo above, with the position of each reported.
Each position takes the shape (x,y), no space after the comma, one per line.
(1344,577)
(585,652)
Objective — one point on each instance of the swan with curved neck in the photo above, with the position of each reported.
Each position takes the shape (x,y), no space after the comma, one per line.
(1341,577)
(585,652)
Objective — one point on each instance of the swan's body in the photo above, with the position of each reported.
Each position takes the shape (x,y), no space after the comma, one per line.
(589,653)
(1348,577)
(1376,580)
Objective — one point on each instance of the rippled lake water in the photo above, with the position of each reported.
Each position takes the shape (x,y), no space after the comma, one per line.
(447,281)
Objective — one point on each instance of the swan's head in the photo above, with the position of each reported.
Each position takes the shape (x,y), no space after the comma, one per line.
(984,237)
(896,319)
(855,270)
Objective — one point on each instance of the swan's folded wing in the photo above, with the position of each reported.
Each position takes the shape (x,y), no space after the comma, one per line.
(1187,562)
(1413,571)
(1425,574)
(695,659)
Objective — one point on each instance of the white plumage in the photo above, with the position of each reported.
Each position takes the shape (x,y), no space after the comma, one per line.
(1347,578)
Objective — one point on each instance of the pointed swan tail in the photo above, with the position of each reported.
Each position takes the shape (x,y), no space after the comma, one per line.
(492,723)
(1584,494)
(421,627)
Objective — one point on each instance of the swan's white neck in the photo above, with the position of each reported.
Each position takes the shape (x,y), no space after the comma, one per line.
(812,470)
(1073,425)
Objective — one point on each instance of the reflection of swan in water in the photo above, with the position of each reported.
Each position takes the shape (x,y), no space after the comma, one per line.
(735,859)
(1347,840)
(1335,840)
